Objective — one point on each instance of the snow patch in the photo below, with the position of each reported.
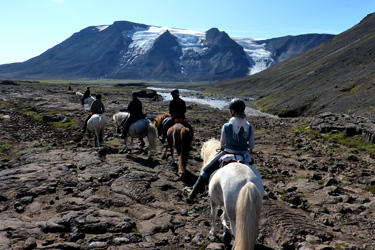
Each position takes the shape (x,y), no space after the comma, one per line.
(101,27)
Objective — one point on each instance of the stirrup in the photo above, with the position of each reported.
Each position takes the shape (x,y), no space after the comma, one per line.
(187,190)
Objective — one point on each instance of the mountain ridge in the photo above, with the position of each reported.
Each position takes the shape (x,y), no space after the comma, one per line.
(336,76)
(127,50)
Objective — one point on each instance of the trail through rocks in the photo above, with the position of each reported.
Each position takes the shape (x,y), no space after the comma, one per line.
(59,192)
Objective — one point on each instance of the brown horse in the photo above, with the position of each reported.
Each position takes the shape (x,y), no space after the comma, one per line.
(179,136)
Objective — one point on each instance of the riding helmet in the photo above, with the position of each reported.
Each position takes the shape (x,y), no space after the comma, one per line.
(237,105)
(134,94)
(175,92)
(88,87)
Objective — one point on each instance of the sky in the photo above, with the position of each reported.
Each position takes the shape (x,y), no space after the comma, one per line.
(30,27)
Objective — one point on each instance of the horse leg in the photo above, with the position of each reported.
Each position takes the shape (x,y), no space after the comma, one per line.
(165,153)
(227,236)
(142,141)
(97,138)
(173,161)
(150,153)
(126,143)
(213,218)
(89,135)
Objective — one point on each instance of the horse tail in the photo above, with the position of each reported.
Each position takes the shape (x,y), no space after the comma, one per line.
(185,148)
(248,208)
(151,136)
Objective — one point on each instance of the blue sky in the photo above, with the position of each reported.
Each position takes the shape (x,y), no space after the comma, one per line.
(30,27)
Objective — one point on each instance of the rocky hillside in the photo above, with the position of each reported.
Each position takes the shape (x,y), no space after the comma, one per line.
(337,76)
(59,192)
(126,50)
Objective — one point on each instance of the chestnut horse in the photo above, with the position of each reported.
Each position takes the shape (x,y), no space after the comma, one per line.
(179,137)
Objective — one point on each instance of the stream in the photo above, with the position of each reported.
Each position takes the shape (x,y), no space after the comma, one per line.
(196,97)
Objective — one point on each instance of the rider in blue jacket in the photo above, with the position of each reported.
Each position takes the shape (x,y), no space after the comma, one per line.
(237,136)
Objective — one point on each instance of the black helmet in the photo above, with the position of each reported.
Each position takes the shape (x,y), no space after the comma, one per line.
(237,105)
(175,92)
(134,94)
(88,87)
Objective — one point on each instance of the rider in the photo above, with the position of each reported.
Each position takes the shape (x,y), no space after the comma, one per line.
(86,95)
(97,107)
(237,136)
(135,113)
(177,110)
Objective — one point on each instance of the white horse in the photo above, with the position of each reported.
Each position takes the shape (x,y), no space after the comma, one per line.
(89,100)
(96,124)
(239,189)
(138,129)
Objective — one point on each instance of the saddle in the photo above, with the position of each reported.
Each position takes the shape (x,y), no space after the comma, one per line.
(182,121)
(241,158)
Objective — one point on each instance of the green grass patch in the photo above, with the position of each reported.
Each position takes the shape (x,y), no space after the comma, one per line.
(265,104)
(355,142)
(305,129)
(345,143)
(340,246)
(37,115)
(355,88)
(371,189)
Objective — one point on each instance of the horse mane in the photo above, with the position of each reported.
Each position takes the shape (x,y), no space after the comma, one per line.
(209,150)
(119,116)
(159,119)
(159,122)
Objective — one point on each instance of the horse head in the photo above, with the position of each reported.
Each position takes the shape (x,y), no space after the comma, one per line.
(158,123)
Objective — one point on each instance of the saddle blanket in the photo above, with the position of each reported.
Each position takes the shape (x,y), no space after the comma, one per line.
(228,158)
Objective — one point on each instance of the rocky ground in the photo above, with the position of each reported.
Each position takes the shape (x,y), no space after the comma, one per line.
(57,191)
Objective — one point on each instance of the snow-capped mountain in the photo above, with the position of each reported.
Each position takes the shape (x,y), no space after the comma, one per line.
(126,50)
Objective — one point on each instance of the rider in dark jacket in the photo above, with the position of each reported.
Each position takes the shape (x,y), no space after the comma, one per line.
(97,107)
(85,95)
(177,110)
(135,110)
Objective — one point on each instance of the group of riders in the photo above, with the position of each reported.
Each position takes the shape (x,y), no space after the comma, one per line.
(237,135)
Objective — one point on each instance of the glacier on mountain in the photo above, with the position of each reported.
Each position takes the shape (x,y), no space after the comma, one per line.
(190,41)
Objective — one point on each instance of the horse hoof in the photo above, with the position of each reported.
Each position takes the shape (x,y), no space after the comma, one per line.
(182,175)
(227,238)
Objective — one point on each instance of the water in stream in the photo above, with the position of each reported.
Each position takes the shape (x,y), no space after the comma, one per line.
(195,96)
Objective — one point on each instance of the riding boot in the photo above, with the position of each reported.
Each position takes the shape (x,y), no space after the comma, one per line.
(198,187)
(164,133)
(126,125)
(85,124)
(124,132)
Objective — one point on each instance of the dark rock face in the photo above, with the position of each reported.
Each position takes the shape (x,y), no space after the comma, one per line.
(284,48)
